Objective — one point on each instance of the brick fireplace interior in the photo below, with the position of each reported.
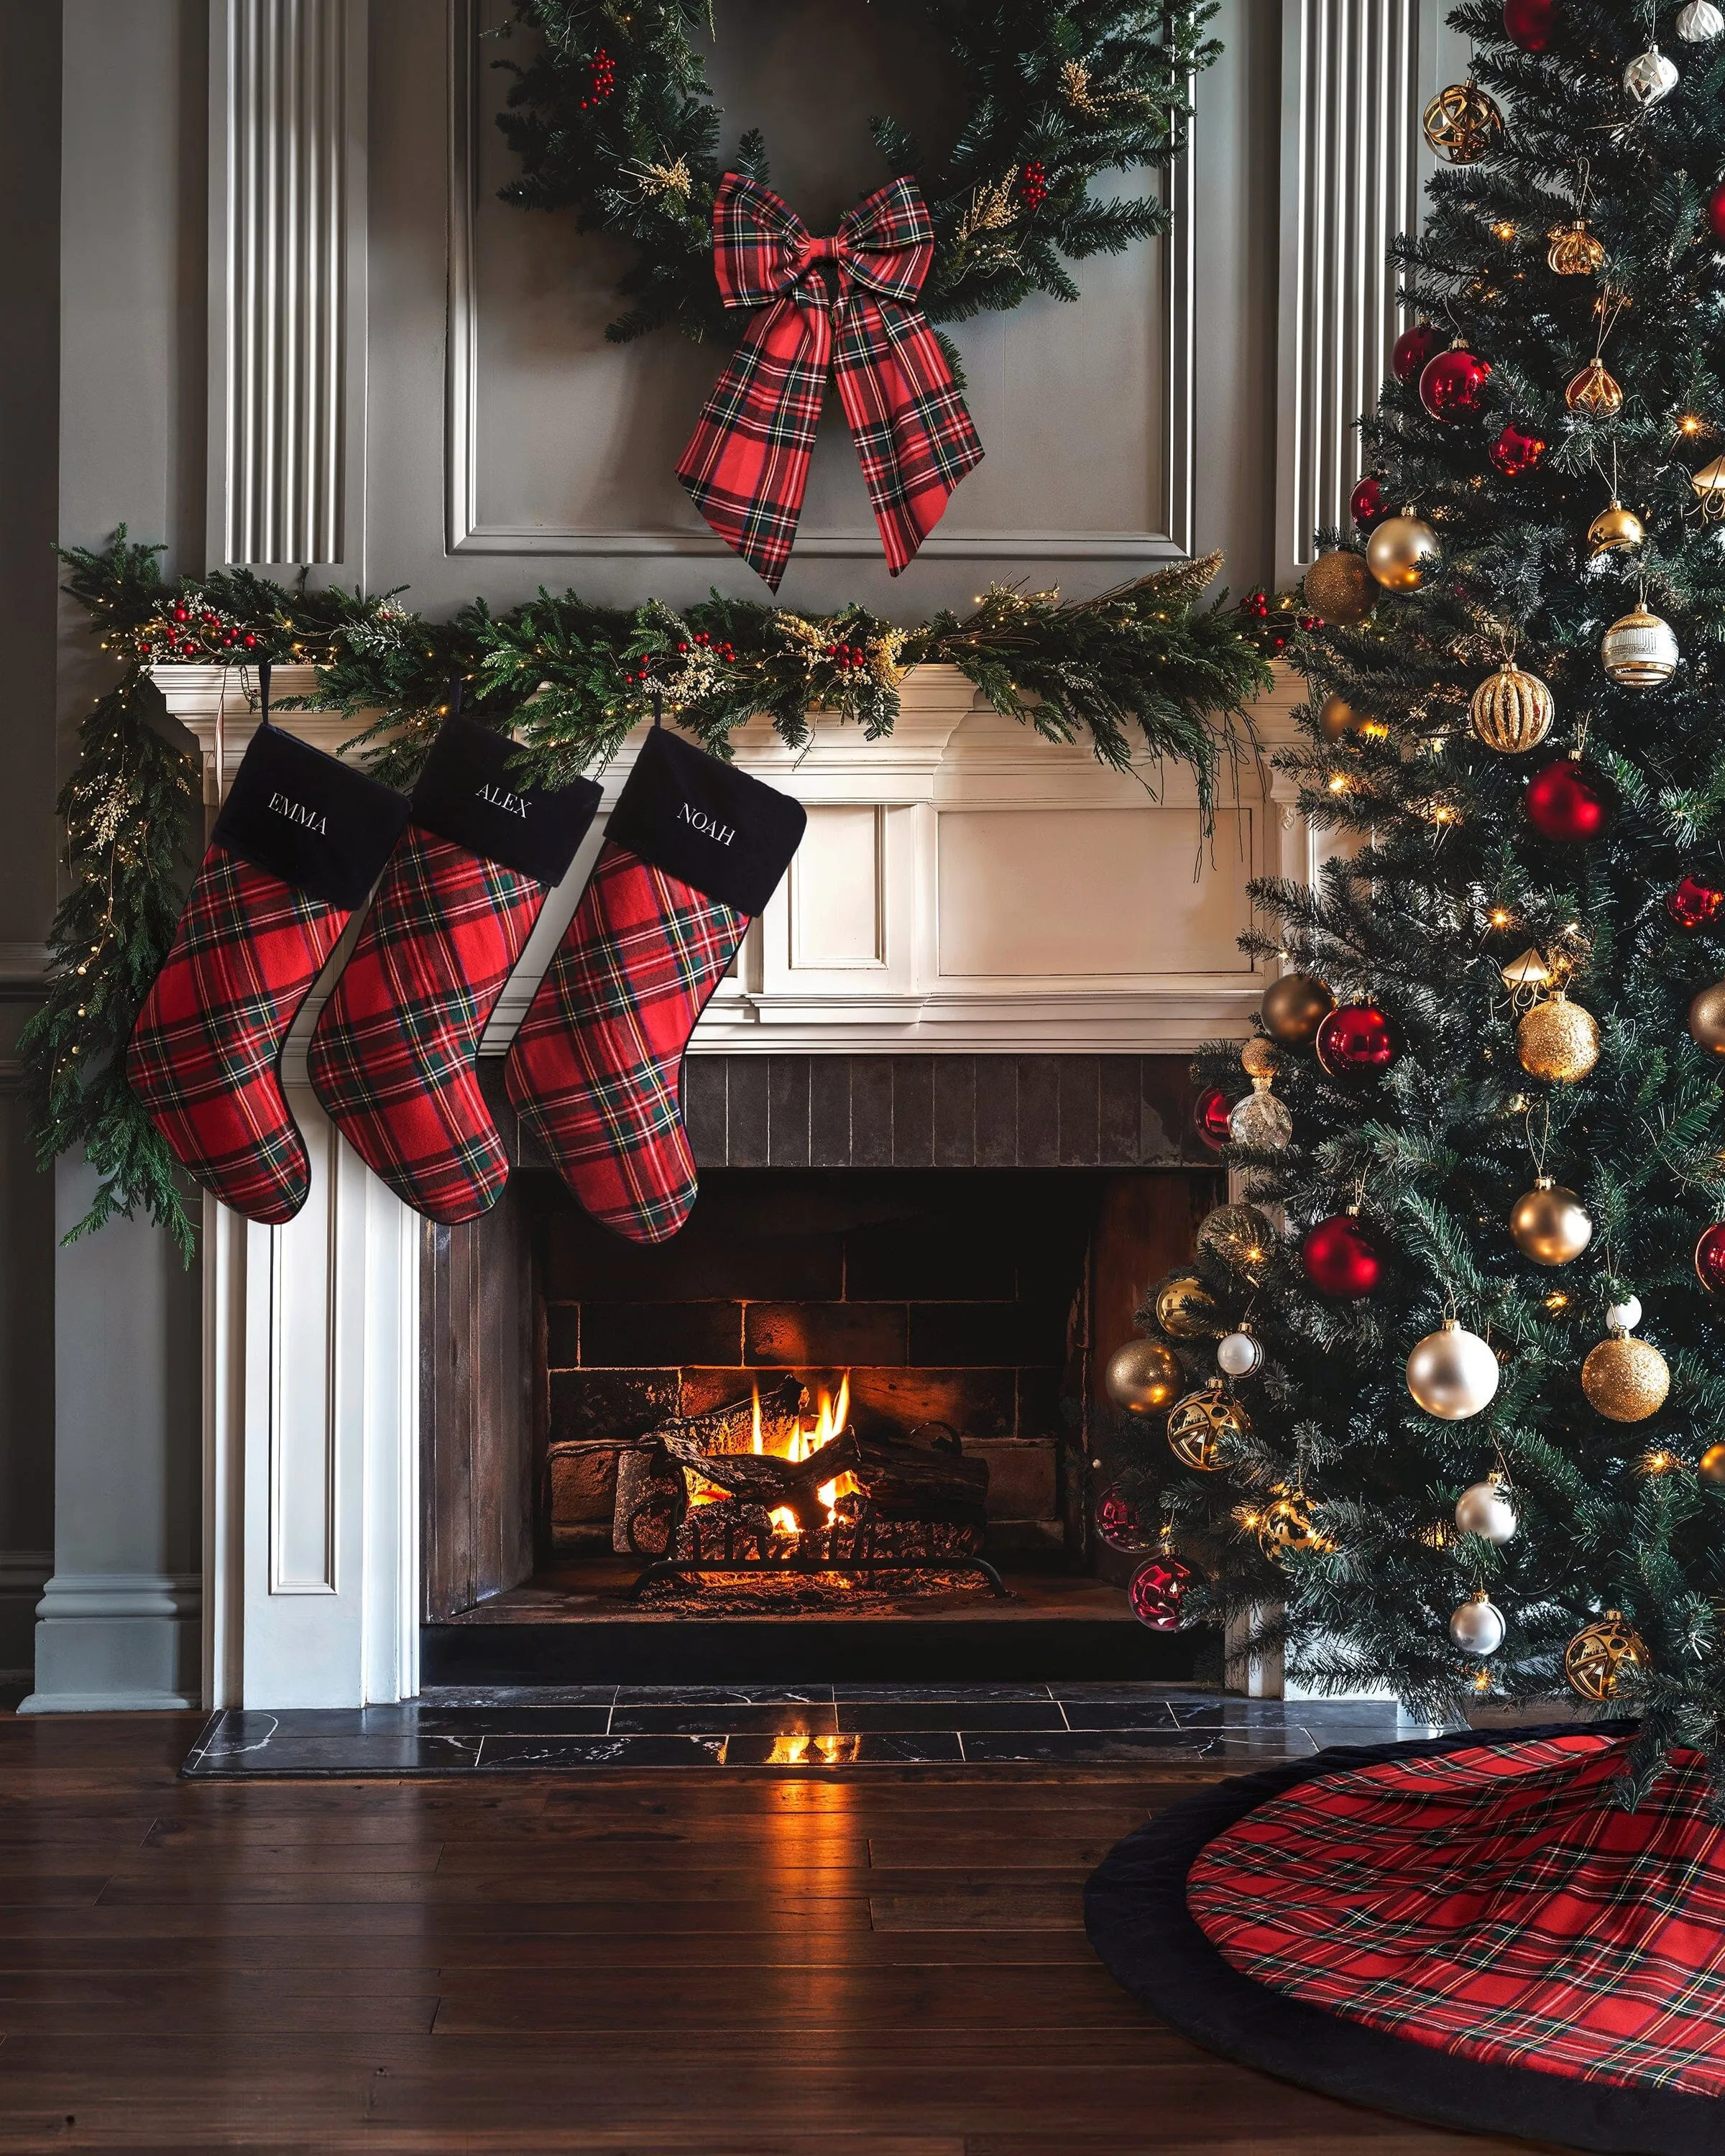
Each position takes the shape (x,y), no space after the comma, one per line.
(964,1238)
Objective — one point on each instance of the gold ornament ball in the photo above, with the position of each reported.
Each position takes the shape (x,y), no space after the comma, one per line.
(1594,392)
(1238,1236)
(1513,710)
(1186,1310)
(1550,1225)
(1336,718)
(1285,1524)
(1614,529)
(1558,1041)
(1338,588)
(1639,650)
(1144,1377)
(1462,123)
(1258,1058)
(1709,485)
(1203,1427)
(1596,1659)
(1295,1007)
(1711,1468)
(1403,552)
(1706,1019)
(1574,252)
(1626,1379)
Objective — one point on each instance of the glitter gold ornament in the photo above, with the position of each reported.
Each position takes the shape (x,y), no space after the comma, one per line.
(1185,1308)
(1339,588)
(1461,123)
(1558,1040)
(1626,1379)
(1601,1654)
(1403,552)
(1258,1058)
(1512,709)
(1594,391)
(1144,1377)
(1203,1426)
(1574,251)
(1616,529)
(1238,1236)
(1706,1019)
(1295,1007)
(1550,1225)
(1639,650)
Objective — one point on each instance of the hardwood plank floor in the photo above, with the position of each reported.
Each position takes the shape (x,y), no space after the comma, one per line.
(871,1964)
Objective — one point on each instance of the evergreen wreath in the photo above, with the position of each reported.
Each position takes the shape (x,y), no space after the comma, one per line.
(611,117)
(1141,666)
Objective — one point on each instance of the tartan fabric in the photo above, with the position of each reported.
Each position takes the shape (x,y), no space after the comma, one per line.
(205,1053)
(746,463)
(1494,1903)
(596,1069)
(393,1057)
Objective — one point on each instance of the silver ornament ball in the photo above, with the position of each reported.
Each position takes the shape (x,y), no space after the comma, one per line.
(1700,23)
(1261,1120)
(1623,1316)
(1476,1626)
(1452,1374)
(1483,1509)
(1238,1354)
(1639,651)
(1649,77)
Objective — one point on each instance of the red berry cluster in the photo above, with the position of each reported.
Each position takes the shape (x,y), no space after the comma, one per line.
(189,633)
(1033,188)
(602,69)
(716,650)
(848,658)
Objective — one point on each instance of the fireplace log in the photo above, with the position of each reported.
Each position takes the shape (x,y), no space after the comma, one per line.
(764,1478)
(908,1482)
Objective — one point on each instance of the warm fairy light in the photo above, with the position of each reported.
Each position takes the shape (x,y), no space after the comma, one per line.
(1501,918)
(1691,423)
(1340,783)
(1482,1679)
(1503,229)
(1556,1300)
(1659,1461)
(1373,730)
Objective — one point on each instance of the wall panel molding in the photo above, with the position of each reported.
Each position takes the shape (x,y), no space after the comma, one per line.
(287,272)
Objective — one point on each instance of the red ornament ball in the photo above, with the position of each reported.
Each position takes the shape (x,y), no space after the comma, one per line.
(1694,904)
(1117,1520)
(1339,1259)
(1452,382)
(1716,212)
(1366,505)
(1568,801)
(1515,451)
(1209,1118)
(1354,1040)
(1710,1258)
(1530,23)
(1416,345)
(1157,1593)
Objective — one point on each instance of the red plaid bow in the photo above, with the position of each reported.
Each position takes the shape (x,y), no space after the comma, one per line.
(747,461)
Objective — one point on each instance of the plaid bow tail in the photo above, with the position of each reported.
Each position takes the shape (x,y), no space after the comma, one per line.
(747,464)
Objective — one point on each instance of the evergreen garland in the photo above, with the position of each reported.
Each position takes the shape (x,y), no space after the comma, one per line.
(1144,668)
(611,116)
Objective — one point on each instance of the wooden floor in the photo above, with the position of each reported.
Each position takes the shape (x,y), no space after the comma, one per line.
(867,1966)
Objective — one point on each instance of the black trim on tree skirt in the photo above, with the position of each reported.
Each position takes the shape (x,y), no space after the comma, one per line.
(1136,1914)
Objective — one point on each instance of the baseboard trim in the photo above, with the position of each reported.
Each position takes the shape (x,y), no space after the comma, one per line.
(104,1703)
(121,1594)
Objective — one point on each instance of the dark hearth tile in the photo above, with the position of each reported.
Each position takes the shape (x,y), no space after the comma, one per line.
(614,1405)
(746,1112)
(562,1336)
(613,1333)
(533,1755)
(724,1718)
(787,1100)
(721,1695)
(993,1334)
(964,1714)
(1080,1078)
(1083,1747)
(522,1695)
(477,1722)
(801,1335)
(913,1112)
(871,1111)
(830,1110)
(977,1404)
(954,1111)
(357,1754)
(1038,1110)
(997,1112)
(1117,1713)
(864,1748)
(956,1692)
(1120,1133)
(704,1109)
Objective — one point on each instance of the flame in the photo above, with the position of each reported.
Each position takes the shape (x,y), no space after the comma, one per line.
(785,1520)
(757,1441)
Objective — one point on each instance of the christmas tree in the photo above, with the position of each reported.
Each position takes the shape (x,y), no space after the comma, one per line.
(1474,1440)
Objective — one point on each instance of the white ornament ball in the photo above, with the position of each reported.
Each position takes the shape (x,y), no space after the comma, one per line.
(1650,76)
(1476,1626)
(1452,1374)
(1262,1120)
(1483,1509)
(1238,1354)
(1699,23)
(1623,1316)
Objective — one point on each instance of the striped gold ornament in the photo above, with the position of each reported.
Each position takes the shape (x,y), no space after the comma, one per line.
(1512,710)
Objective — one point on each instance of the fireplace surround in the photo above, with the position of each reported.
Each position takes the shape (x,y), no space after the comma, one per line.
(990,960)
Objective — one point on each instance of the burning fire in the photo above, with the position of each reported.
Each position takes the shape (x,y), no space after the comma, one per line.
(803,1443)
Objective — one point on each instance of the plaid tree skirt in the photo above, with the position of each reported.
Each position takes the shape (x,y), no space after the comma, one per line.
(1469,1931)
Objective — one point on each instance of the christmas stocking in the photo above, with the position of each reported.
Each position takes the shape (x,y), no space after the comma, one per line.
(294,850)
(693,849)
(394,1056)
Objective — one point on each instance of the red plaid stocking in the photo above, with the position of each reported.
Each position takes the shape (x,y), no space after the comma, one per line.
(693,849)
(292,853)
(394,1056)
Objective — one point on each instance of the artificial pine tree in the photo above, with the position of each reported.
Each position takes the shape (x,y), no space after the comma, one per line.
(1528,890)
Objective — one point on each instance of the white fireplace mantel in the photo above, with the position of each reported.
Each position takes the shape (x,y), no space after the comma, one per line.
(964,886)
